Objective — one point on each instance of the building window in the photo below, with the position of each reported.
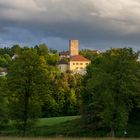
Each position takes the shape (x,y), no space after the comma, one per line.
(81,63)
(77,68)
(86,63)
(81,68)
(73,63)
(77,63)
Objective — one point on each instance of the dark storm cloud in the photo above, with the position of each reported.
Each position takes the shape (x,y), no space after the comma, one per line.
(97,24)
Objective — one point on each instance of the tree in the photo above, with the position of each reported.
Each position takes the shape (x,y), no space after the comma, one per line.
(6,50)
(5,60)
(90,54)
(42,49)
(26,81)
(111,84)
(52,59)
(16,49)
(63,97)
(67,93)
(53,51)
(3,101)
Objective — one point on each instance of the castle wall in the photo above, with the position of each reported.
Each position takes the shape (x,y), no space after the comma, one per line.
(78,66)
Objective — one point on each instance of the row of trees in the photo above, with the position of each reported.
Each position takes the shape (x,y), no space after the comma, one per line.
(6,54)
(111,90)
(34,87)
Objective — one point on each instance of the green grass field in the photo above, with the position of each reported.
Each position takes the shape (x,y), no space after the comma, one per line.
(69,126)
(55,120)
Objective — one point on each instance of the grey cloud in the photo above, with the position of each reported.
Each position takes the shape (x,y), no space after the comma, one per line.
(93,22)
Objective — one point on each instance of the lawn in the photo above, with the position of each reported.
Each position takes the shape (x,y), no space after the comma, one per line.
(55,120)
(68,126)
(46,126)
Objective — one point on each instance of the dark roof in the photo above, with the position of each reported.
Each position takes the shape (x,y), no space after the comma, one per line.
(78,58)
(62,61)
(64,53)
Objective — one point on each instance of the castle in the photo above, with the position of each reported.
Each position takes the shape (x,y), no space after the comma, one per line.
(76,63)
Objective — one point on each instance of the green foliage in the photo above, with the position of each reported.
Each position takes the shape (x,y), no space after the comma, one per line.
(5,60)
(3,100)
(42,49)
(26,83)
(111,85)
(90,54)
(52,59)
(6,50)
(52,51)
(68,89)
(16,49)
(35,87)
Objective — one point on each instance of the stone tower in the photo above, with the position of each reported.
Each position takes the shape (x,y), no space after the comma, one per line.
(74,47)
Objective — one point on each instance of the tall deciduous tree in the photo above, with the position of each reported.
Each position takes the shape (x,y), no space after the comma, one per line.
(111,85)
(26,80)
(16,49)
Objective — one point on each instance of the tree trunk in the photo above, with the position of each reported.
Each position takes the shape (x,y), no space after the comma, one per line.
(112,132)
(25,116)
(26,102)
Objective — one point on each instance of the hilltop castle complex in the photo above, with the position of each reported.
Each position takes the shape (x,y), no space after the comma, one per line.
(76,63)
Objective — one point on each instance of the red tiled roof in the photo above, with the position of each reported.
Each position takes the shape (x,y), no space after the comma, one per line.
(78,58)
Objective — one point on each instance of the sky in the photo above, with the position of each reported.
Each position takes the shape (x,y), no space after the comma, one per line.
(97,24)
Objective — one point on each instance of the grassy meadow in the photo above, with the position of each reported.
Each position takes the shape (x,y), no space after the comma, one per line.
(68,126)
(55,120)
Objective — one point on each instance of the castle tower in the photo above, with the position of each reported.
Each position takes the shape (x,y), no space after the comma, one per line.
(74,47)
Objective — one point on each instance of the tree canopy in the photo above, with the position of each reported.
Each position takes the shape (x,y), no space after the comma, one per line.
(111,88)
(26,78)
